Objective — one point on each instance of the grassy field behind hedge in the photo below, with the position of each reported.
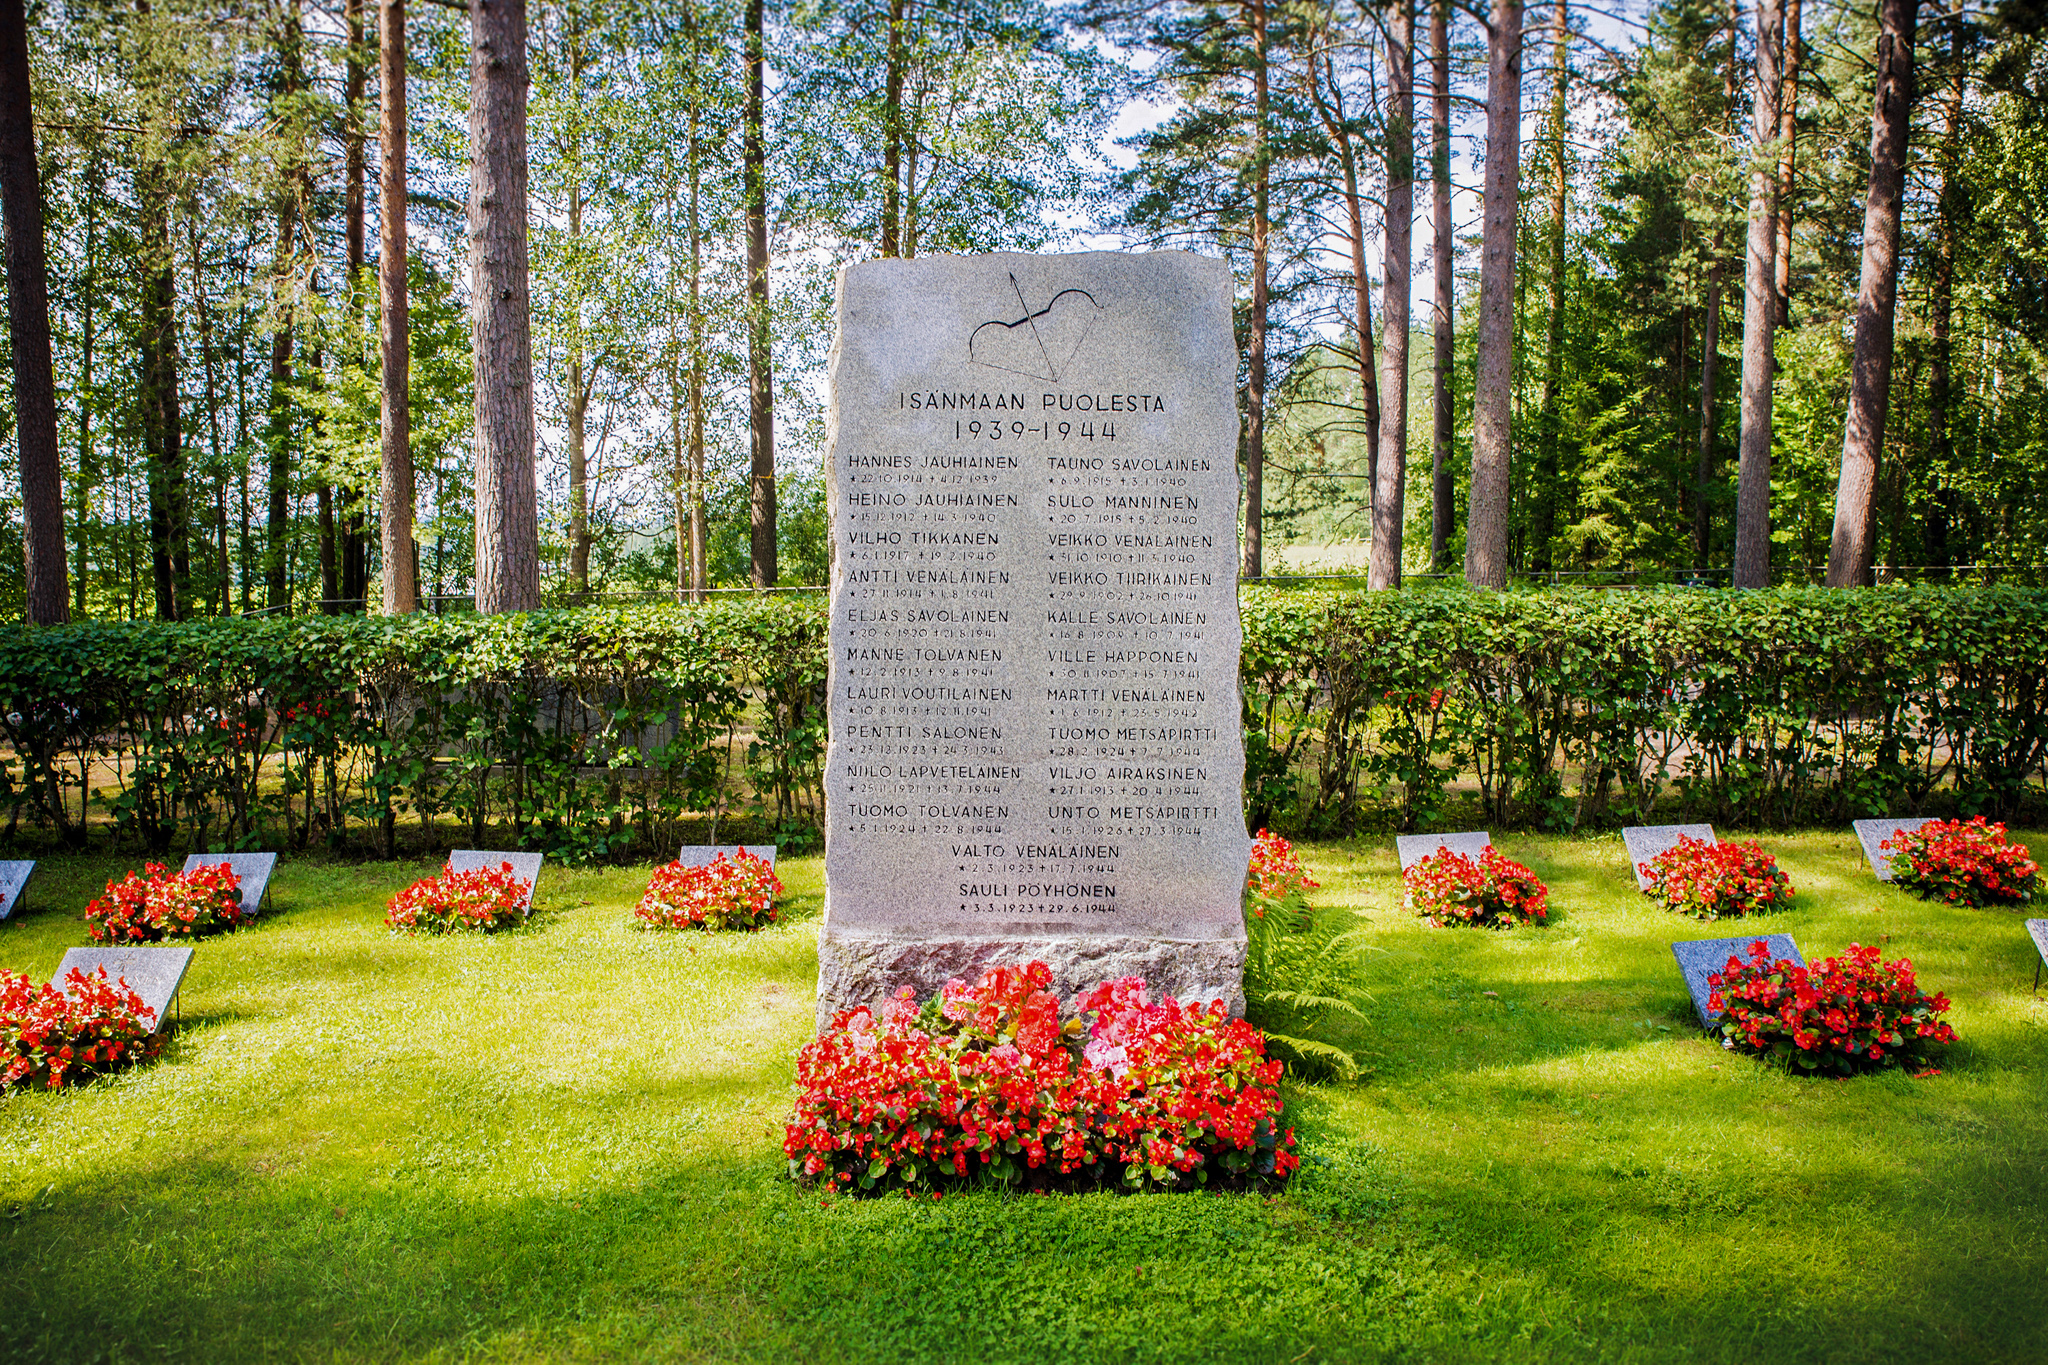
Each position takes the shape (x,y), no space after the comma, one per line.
(564,1144)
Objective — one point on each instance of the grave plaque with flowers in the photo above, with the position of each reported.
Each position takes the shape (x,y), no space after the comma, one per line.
(252,870)
(1036,752)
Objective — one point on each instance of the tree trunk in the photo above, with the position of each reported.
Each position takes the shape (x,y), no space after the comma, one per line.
(1707,469)
(1486,520)
(1788,130)
(276,569)
(87,393)
(893,66)
(163,434)
(395,491)
(760,373)
(1941,304)
(28,324)
(1759,313)
(1544,512)
(507,520)
(1710,368)
(1443,252)
(690,521)
(1335,122)
(354,566)
(1851,551)
(579,417)
(1390,496)
(1255,381)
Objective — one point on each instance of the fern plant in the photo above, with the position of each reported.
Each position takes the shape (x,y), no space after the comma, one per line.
(1304,970)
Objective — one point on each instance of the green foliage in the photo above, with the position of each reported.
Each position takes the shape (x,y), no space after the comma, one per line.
(593,731)
(1569,708)
(588,732)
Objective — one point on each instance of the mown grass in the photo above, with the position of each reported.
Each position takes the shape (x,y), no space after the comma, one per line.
(564,1144)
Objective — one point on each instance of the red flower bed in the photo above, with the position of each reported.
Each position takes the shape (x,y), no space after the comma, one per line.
(987,1083)
(51,1036)
(481,900)
(1963,862)
(732,891)
(1276,872)
(1848,1014)
(1494,891)
(1716,881)
(161,904)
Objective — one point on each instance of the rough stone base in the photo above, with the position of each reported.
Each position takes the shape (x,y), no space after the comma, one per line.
(860,969)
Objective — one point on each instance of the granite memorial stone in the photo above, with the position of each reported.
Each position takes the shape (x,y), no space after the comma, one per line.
(1872,834)
(14,877)
(2038,929)
(1413,848)
(525,866)
(1700,958)
(252,869)
(698,855)
(152,973)
(1034,636)
(1645,842)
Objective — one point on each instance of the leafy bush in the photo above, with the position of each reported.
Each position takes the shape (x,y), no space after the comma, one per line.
(732,891)
(1963,862)
(986,1083)
(1302,968)
(1847,1015)
(1493,891)
(480,900)
(593,731)
(162,904)
(52,1036)
(1716,881)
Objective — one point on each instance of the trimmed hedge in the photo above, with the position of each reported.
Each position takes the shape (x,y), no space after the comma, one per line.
(594,731)
(1573,707)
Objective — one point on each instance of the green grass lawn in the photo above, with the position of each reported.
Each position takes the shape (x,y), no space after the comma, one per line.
(565,1144)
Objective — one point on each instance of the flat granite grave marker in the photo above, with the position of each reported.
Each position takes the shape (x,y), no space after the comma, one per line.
(14,877)
(1035,744)
(699,855)
(525,866)
(152,973)
(252,869)
(2038,929)
(1699,958)
(1872,833)
(1645,842)
(1413,848)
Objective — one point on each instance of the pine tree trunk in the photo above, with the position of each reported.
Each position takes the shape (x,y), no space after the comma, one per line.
(1710,372)
(1759,314)
(1788,131)
(507,520)
(760,359)
(1853,547)
(1330,108)
(278,434)
(1486,520)
(893,64)
(1390,496)
(163,434)
(579,421)
(1443,251)
(395,490)
(1255,366)
(354,568)
(1941,304)
(1544,511)
(28,325)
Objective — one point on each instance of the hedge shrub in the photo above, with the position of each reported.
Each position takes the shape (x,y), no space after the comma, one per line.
(592,731)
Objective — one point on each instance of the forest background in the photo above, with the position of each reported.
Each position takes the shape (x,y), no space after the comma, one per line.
(1569,328)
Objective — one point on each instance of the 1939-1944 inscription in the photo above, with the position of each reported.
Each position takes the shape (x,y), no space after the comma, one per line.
(1036,747)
